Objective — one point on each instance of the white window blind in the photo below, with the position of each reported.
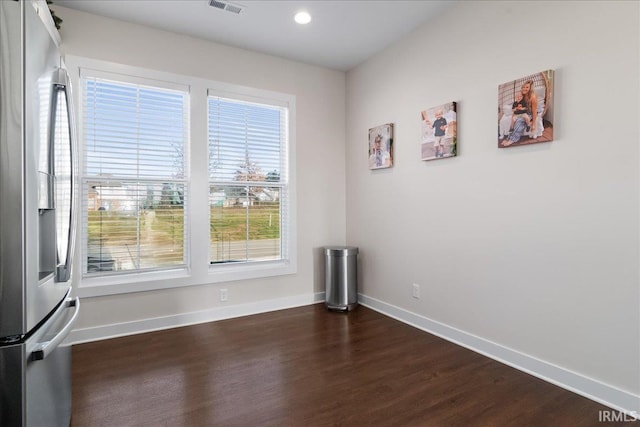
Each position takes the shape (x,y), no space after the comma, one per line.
(135,178)
(248,180)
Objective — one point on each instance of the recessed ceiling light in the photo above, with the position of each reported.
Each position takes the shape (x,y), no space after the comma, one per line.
(302,18)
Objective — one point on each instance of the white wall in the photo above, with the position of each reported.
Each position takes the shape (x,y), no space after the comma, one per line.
(534,248)
(320,132)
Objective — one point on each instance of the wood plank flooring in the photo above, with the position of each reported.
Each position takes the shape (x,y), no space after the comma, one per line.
(308,367)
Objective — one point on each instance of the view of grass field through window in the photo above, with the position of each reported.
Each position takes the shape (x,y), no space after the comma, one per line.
(155,237)
(146,240)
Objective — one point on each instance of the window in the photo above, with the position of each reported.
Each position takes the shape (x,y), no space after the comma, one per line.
(248,180)
(183,181)
(134,181)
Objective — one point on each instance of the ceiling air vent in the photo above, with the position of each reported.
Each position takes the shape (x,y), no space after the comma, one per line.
(225,5)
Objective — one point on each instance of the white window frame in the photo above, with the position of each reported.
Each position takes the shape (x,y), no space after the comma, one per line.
(198,272)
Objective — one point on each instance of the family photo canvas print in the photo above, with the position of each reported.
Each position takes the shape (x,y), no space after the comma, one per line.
(525,110)
(381,146)
(439,132)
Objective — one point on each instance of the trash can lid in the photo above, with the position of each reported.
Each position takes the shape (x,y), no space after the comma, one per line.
(340,250)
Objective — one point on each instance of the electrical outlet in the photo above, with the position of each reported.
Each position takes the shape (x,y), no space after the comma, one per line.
(416,291)
(224,295)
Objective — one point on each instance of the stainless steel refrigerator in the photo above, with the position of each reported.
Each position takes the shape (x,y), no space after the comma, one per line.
(37,215)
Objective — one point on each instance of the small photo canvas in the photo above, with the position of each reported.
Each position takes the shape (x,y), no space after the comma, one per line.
(381,146)
(525,110)
(439,132)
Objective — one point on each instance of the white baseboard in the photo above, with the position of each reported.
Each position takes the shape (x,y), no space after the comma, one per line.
(97,333)
(610,396)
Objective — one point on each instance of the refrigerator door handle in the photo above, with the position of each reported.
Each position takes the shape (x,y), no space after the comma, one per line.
(45,348)
(66,171)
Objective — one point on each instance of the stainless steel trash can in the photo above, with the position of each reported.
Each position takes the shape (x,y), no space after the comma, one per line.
(341,277)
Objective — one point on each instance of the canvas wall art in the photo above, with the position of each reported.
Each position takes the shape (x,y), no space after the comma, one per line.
(525,110)
(439,132)
(381,146)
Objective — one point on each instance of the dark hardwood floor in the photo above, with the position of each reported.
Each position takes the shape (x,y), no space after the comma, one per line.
(308,367)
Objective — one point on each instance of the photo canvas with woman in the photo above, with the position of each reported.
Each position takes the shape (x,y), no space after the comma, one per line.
(525,110)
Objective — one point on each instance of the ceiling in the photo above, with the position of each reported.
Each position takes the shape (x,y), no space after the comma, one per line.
(341,35)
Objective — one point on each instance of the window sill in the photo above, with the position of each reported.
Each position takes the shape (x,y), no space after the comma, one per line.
(227,272)
(157,280)
(134,282)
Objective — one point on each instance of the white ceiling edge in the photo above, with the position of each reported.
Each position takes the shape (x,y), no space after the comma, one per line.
(341,35)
